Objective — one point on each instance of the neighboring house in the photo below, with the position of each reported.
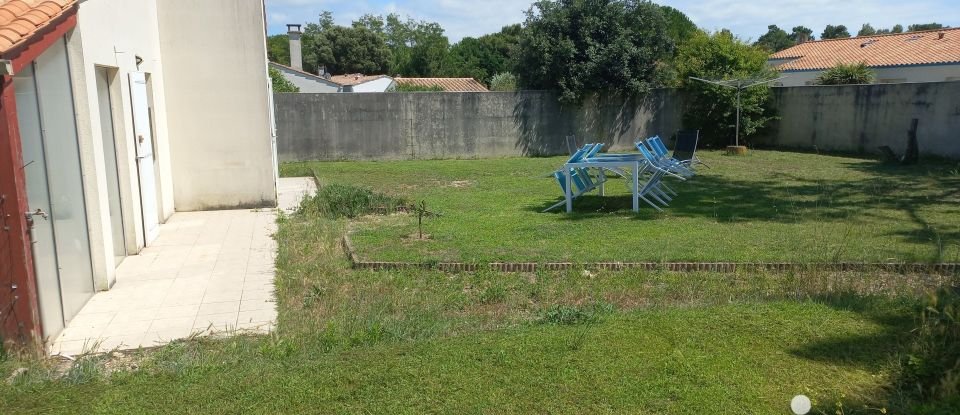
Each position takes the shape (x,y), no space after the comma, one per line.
(929,56)
(448,84)
(363,83)
(114,114)
(307,82)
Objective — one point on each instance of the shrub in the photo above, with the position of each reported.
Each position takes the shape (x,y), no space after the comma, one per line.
(846,74)
(346,201)
(503,82)
(281,84)
(933,368)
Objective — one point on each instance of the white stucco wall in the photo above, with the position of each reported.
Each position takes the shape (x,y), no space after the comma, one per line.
(929,73)
(376,85)
(217,89)
(307,84)
(111,34)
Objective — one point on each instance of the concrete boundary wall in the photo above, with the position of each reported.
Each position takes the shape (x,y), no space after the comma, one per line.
(425,125)
(861,118)
(431,125)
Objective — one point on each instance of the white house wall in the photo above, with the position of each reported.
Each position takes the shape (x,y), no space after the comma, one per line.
(111,34)
(930,73)
(376,85)
(306,83)
(215,70)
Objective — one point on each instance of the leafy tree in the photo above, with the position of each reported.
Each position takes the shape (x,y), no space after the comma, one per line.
(898,28)
(281,84)
(417,48)
(712,109)
(345,50)
(679,26)
(582,47)
(775,40)
(924,26)
(867,30)
(846,74)
(835,32)
(503,82)
(278,49)
(480,58)
(801,34)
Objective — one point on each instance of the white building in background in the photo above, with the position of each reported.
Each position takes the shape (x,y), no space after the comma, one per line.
(305,81)
(928,56)
(126,111)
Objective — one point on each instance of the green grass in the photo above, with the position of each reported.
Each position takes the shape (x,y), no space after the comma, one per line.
(766,207)
(420,341)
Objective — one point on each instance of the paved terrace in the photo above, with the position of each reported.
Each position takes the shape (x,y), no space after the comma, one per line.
(207,272)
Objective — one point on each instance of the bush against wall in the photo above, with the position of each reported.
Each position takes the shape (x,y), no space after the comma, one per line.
(503,82)
(281,84)
(846,74)
(712,109)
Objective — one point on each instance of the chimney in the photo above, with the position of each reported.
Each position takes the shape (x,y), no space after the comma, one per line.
(941,35)
(802,38)
(296,55)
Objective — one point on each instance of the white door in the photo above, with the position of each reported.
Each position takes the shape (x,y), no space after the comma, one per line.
(144,144)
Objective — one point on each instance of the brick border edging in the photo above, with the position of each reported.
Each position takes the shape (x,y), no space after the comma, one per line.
(730,267)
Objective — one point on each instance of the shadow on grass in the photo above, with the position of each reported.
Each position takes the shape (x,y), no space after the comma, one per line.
(788,197)
(870,351)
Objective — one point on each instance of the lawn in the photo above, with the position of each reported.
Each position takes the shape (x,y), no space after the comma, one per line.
(769,206)
(421,341)
(576,341)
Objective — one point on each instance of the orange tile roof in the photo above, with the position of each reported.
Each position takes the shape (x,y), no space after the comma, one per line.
(901,49)
(20,19)
(355,79)
(448,84)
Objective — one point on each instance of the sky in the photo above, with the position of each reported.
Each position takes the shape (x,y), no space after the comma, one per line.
(746,18)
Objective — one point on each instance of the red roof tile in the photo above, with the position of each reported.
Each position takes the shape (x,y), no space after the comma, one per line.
(20,19)
(448,84)
(902,49)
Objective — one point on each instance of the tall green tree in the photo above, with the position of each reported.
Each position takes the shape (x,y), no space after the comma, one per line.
(583,47)
(711,108)
(679,26)
(278,49)
(417,47)
(867,30)
(775,40)
(835,32)
(481,58)
(345,50)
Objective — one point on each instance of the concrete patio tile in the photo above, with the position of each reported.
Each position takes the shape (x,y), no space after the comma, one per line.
(214,296)
(214,267)
(219,322)
(257,294)
(126,328)
(169,324)
(254,305)
(145,315)
(257,316)
(219,308)
(178,311)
